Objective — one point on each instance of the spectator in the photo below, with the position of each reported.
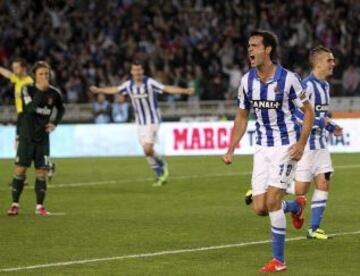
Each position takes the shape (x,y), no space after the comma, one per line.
(234,74)
(350,81)
(101,110)
(96,39)
(120,109)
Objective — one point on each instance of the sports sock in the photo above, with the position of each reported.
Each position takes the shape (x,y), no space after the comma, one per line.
(318,204)
(40,190)
(278,231)
(290,206)
(17,187)
(159,160)
(154,165)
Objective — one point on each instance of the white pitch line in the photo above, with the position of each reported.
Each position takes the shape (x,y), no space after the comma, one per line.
(80,184)
(57,214)
(95,183)
(160,253)
(112,181)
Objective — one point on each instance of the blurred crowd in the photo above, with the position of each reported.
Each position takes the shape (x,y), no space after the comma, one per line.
(190,43)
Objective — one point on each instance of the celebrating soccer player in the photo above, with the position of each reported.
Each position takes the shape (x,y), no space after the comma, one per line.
(39,100)
(19,77)
(273,93)
(142,91)
(316,162)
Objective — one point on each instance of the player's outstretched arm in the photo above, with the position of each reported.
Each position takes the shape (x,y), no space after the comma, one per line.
(5,72)
(320,122)
(240,125)
(178,90)
(297,149)
(105,90)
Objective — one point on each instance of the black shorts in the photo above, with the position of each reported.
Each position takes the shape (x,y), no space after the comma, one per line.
(30,151)
(17,127)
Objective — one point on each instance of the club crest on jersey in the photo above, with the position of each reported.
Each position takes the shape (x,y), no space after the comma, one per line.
(50,101)
(276,89)
(263,104)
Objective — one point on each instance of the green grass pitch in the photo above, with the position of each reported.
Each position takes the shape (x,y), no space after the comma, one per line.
(106,207)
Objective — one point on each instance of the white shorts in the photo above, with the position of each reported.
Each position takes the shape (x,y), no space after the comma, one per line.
(272,167)
(147,133)
(313,163)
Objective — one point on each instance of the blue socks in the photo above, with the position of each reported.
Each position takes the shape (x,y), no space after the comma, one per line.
(291,206)
(318,204)
(278,230)
(157,164)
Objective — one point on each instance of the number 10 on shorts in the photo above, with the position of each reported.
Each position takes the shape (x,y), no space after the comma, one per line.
(287,171)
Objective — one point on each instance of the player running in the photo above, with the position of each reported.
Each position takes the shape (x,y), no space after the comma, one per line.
(142,91)
(316,164)
(273,93)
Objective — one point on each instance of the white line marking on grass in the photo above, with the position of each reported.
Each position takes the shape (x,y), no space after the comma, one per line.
(125,181)
(96,183)
(57,214)
(80,184)
(160,253)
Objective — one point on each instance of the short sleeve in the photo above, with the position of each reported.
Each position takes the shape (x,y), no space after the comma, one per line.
(298,92)
(243,100)
(156,86)
(123,88)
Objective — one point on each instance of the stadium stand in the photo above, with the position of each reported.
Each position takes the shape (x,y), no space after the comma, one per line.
(186,43)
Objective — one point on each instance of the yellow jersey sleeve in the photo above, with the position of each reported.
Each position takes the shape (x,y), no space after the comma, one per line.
(14,78)
(18,86)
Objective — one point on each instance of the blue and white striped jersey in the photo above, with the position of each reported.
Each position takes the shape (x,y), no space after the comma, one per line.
(274,104)
(319,95)
(144,99)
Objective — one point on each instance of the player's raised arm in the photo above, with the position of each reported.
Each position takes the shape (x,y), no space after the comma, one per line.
(111,90)
(178,90)
(5,72)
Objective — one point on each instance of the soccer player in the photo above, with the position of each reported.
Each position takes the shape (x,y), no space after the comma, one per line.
(39,100)
(20,77)
(142,91)
(273,93)
(315,165)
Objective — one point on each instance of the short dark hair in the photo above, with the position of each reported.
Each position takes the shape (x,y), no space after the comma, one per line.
(137,62)
(39,64)
(317,50)
(269,40)
(21,61)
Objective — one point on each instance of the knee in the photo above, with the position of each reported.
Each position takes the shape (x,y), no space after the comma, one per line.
(261,210)
(148,150)
(20,171)
(322,185)
(41,174)
(272,203)
(302,190)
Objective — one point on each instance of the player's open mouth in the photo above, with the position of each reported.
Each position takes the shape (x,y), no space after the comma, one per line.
(251,58)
